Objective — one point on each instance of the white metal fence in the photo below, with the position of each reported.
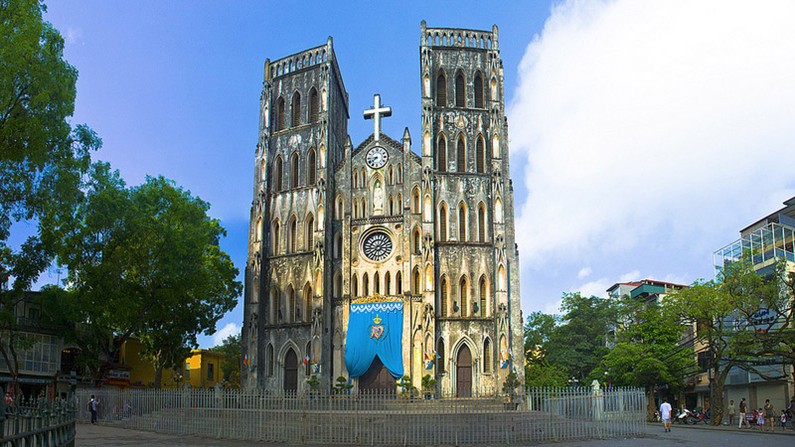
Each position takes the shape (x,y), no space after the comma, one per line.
(374,419)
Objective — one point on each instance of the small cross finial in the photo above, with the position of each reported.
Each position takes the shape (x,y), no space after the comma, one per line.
(376,113)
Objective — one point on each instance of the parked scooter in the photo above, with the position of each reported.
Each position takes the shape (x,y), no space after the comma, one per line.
(698,416)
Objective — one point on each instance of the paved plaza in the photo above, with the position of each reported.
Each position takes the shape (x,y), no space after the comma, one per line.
(701,436)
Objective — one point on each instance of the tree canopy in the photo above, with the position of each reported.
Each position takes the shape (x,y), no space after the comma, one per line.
(146,262)
(231,348)
(42,158)
(719,311)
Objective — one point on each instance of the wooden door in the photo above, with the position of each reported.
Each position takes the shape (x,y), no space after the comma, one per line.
(290,371)
(377,377)
(463,373)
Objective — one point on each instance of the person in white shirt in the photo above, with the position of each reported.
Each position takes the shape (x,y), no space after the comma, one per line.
(665,414)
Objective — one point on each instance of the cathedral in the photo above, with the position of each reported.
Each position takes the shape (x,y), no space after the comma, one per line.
(385,259)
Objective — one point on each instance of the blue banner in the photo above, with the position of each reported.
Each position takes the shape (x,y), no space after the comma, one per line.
(375,329)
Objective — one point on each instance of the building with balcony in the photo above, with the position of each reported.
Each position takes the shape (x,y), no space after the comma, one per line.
(38,349)
(763,242)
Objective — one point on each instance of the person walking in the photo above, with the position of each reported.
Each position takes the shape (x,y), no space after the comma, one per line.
(743,412)
(732,412)
(665,414)
(770,416)
(92,407)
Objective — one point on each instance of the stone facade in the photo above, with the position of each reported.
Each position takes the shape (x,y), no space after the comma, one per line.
(333,224)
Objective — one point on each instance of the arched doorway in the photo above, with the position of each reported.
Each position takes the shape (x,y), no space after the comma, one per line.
(377,377)
(463,372)
(290,371)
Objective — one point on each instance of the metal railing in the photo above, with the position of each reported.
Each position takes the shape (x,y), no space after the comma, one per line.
(37,423)
(541,415)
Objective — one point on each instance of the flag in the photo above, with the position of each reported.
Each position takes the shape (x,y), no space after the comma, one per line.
(245,360)
(306,360)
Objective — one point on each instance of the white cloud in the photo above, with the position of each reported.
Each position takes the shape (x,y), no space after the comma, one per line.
(224,332)
(643,119)
(584,272)
(73,36)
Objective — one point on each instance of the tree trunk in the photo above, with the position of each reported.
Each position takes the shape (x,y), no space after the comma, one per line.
(651,406)
(158,375)
(716,394)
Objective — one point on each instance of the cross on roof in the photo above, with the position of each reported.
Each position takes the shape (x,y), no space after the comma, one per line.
(376,113)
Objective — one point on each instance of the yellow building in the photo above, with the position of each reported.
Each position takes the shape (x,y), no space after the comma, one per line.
(201,370)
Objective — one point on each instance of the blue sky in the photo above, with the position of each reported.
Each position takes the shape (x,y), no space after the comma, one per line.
(643,135)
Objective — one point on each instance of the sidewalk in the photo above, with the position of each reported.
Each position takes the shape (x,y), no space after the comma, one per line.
(729,428)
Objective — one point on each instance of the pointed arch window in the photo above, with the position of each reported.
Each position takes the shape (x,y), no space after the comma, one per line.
(398,283)
(443,297)
(487,355)
(483,292)
(443,222)
(296,109)
(294,170)
(275,236)
(338,213)
(416,283)
(441,154)
(462,222)
(377,283)
(478,91)
(338,246)
(355,286)
(338,285)
(311,167)
(387,284)
(307,302)
(480,156)
(461,163)
(440,356)
(291,303)
(415,242)
(460,90)
(482,222)
(307,353)
(270,360)
(310,232)
(415,200)
(314,106)
(277,174)
(275,315)
(441,89)
(280,119)
(292,235)
(365,285)
(463,295)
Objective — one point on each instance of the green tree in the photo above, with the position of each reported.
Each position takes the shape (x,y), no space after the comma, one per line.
(538,329)
(42,158)
(577,343)
(714,308)
(648,352)
(232,350)
(145,261)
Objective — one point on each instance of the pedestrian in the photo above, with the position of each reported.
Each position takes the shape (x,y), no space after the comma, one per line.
(92,407)
(783,419)
(760,419)
(743,412)
(665,414)
(732,412)
(9,400)
(770,416)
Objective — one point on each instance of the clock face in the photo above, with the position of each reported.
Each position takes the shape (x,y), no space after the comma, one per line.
(377,157)
(377,246)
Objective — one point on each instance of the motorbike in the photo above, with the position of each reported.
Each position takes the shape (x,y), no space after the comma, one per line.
(698,416)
